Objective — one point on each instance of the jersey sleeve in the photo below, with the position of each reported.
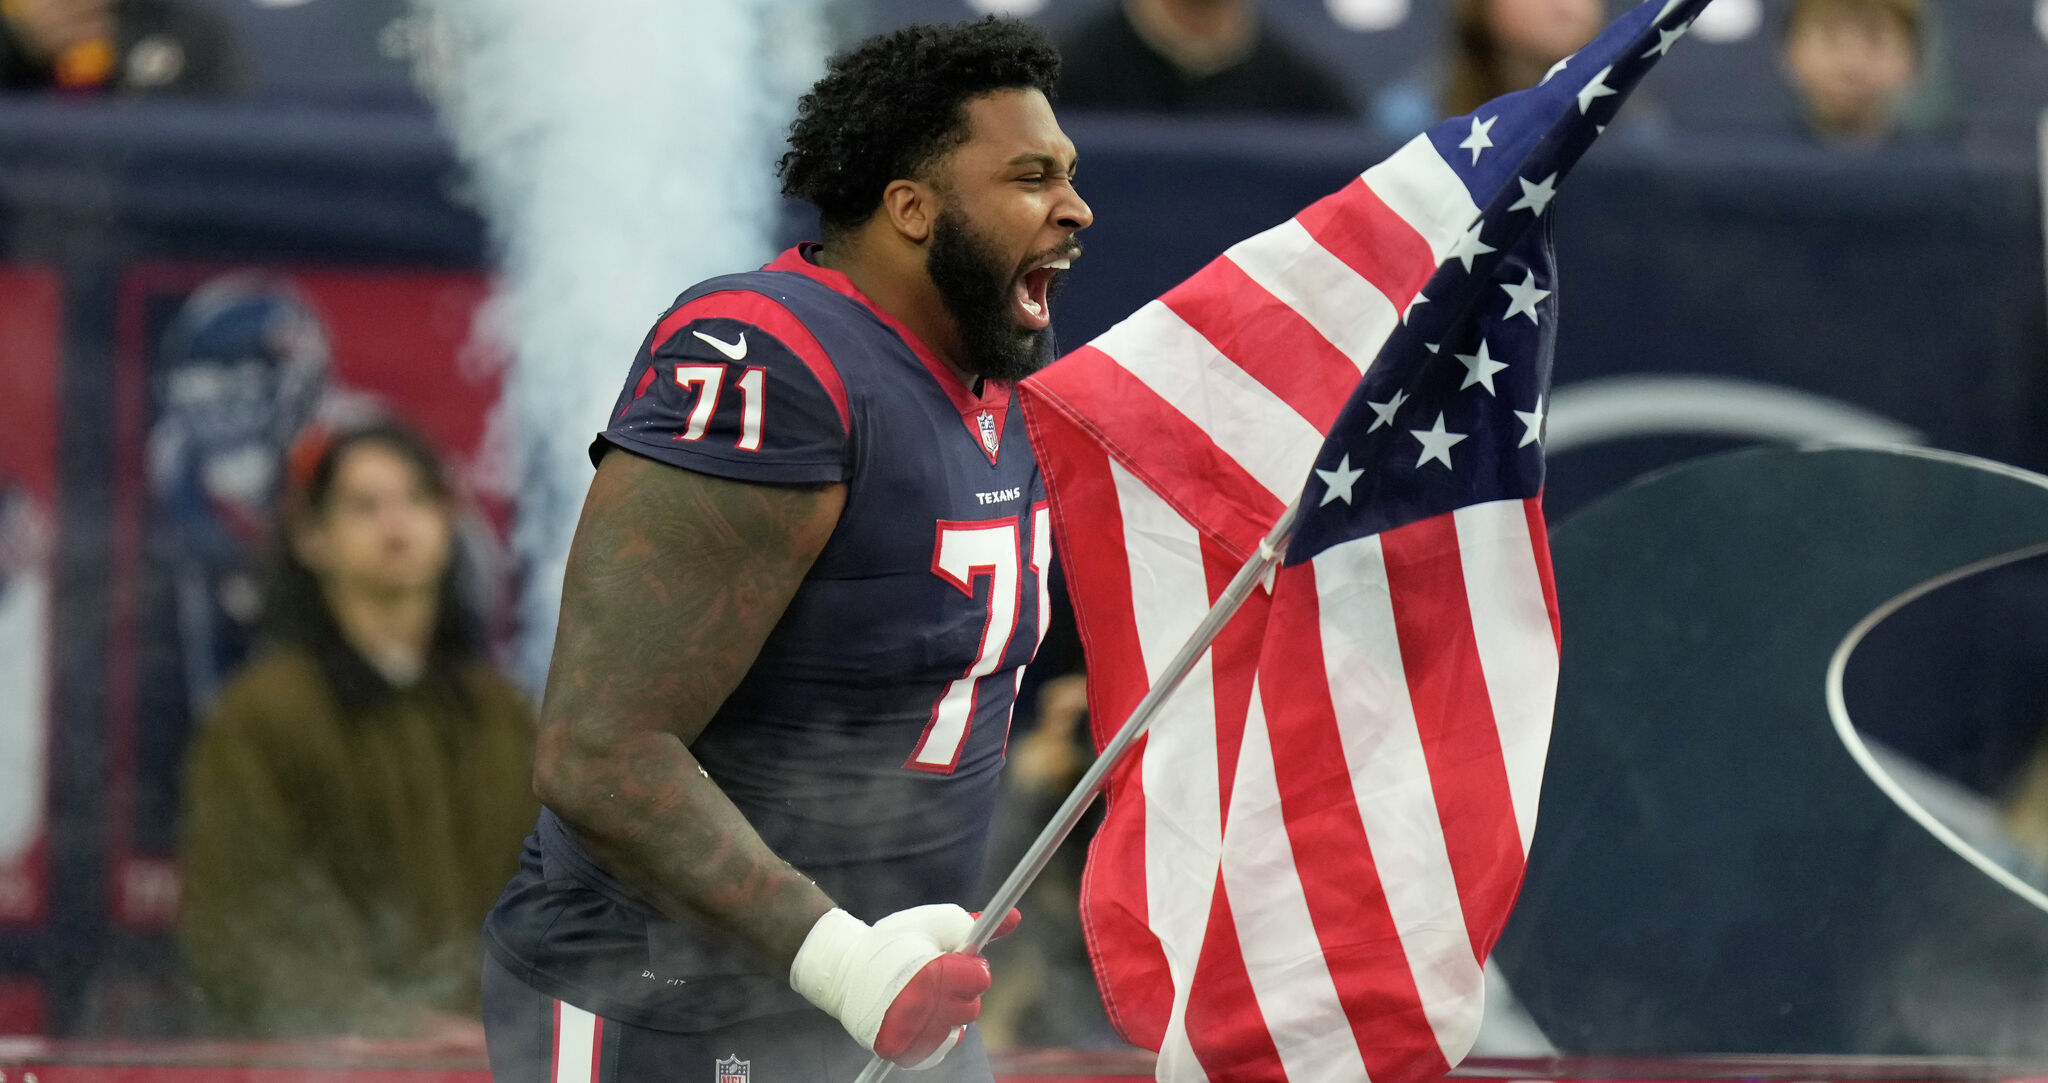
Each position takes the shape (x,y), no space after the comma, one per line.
(733,384)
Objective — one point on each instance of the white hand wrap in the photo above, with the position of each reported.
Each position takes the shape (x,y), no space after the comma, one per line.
(855,971)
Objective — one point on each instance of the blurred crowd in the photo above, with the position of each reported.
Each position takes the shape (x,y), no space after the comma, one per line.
(136,46)
(1859,72)
(1850,63)
(356,791)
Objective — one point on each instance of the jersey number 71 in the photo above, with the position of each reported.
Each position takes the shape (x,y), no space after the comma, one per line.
(709,379)
(963,553)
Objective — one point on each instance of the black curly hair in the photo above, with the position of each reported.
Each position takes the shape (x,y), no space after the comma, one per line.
(890,106)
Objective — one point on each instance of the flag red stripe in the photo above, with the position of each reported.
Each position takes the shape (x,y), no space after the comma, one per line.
(1088,535)
(1087,527)
(1440,654)
(1340,878)
(1128,958)
(1224,1024)
(1271,342)
(1539,544)
(1225,1027)
(1156,442)
(1359,228)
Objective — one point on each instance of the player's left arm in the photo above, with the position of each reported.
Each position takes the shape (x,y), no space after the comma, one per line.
(674,581)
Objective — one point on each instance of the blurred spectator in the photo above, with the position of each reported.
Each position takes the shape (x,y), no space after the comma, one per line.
(1500,46)
(361,791)
(1496,46)
(1192,56)
(127,45)
(1852,61)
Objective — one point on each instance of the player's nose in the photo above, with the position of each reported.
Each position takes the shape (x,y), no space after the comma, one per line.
(1073,213)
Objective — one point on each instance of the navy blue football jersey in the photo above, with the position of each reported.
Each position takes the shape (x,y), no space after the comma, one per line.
(866,742)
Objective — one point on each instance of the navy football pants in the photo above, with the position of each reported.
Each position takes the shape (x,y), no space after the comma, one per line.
(535,1038)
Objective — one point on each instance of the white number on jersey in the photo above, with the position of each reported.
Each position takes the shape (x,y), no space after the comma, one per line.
(710,379)
(963,553)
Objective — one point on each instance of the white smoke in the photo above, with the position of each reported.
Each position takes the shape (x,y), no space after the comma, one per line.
(621,151)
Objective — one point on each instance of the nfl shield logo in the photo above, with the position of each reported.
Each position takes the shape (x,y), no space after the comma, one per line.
(990,439)
(733,1070)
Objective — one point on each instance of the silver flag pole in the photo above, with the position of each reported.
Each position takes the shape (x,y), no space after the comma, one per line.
(1040,854)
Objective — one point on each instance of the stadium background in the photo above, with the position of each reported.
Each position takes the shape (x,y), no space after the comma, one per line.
(1906,286)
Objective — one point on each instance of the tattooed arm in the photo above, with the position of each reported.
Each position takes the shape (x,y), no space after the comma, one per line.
(675,579)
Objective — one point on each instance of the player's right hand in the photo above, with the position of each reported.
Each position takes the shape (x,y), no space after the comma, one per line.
(901,986)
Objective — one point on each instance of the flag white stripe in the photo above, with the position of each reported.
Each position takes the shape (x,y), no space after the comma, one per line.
(1391,782)
(1517,648)
(1177,1061)
(575,1045)
(1282,954)
(1337,301)
(1182,796)
(1417,184)
(1273,443)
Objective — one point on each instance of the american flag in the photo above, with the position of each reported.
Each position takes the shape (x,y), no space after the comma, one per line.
(1306,860)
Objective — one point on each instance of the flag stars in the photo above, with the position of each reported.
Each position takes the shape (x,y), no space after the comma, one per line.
(1337,483)
(1418,301)
(1523,299)
(1665,40)
(1470,247)
(1436,443)
(1480,368)
(1536,197)
(1481,138)
(1595,90)
(1554,69)
(1533,420)
(1383,412)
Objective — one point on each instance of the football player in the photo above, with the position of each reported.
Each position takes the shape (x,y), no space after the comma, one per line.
(808,572)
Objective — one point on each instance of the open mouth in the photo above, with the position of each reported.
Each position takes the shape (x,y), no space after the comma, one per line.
(1031,296)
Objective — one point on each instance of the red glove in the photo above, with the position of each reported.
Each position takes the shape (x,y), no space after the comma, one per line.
(1005,927)
(901,987)
(932,1011)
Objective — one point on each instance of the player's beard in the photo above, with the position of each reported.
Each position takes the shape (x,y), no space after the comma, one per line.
(976,284)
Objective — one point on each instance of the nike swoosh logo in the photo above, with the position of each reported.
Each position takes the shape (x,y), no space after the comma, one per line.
(733,351)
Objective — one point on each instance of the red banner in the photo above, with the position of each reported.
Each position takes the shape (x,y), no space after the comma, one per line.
(31,313)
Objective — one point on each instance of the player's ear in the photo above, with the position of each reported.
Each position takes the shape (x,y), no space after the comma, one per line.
(912,207)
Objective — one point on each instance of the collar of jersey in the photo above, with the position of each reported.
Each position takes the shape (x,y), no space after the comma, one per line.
(994,393)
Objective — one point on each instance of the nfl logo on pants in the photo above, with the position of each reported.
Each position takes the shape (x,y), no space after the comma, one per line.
(733,1070)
